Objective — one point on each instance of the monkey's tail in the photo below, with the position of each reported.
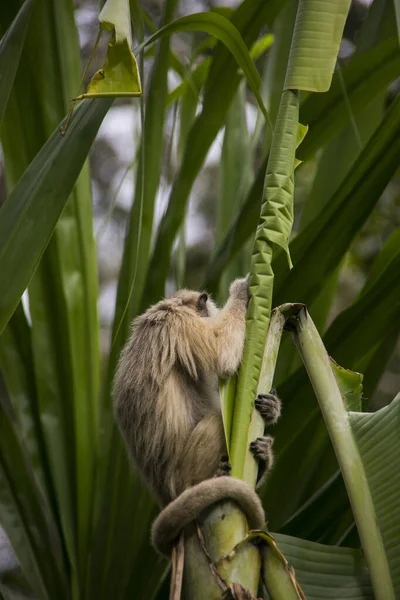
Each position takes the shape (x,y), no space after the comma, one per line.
(188,506)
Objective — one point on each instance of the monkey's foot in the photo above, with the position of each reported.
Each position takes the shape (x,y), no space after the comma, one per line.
(262,450)
(224,467)
(269,407)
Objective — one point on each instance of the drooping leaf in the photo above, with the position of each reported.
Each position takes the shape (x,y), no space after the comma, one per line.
(120,75)
(196,78)
(339,154)
(226,32)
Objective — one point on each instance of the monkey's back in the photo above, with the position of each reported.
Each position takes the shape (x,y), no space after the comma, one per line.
(161,390)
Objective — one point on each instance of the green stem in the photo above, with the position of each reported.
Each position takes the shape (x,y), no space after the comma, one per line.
(317,363)
(257,426)
(220,555)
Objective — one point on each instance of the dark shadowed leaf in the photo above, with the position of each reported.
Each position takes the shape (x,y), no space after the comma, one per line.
(10,52)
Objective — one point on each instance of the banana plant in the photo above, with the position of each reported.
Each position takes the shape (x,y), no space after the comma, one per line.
(76,515)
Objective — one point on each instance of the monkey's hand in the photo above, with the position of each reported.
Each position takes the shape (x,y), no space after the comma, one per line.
(261,449)
(269,407)
(239,290)
(190,504)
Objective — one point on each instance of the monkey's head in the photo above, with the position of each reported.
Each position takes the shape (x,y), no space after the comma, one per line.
(199,302)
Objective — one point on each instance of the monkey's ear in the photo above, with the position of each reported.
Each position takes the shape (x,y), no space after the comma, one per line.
(202,301)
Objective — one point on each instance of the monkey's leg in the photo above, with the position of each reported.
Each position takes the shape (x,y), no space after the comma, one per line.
(269,407)
(203,451)
(224,467)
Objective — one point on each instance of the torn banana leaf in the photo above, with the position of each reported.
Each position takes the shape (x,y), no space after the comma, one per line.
(120,75)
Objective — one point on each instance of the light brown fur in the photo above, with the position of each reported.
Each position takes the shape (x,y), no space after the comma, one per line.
(167,405)
(166,393)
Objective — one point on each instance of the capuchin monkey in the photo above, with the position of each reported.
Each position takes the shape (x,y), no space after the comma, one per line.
(167,406)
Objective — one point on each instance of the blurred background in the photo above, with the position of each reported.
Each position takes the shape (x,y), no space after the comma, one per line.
(113,161)
(113,156)
(113,186)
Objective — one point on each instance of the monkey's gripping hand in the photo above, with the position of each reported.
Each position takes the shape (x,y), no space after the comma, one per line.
(239,290)
(188,506)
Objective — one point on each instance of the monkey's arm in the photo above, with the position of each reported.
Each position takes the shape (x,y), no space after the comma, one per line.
(215,344)
(229,329)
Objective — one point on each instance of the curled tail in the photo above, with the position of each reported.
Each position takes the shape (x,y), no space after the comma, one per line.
(188,506)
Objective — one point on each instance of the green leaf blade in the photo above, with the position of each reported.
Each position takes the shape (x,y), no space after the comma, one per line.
(274,227)
(329,235)
(327,572)
(31,207)
(221,28)
(301,431)
(119,76)
(10,52)
(25,511)
(316,39)
(377,438)
(364,78)
(113,465)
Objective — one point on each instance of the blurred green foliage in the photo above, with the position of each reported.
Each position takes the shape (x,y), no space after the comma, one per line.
(77,517)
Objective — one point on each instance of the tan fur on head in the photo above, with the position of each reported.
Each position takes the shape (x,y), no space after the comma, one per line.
(188,506)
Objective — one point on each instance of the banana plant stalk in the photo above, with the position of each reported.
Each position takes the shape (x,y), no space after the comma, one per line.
(317,363)
(219,551)
(278,319)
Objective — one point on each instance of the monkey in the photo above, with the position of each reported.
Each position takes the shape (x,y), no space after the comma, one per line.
(167,406)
